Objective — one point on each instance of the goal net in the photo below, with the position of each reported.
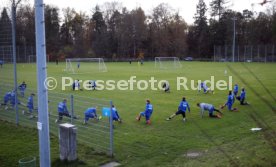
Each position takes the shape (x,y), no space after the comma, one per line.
(167,62)
(85,65)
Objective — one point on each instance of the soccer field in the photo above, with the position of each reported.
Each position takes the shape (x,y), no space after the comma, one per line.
(218,142)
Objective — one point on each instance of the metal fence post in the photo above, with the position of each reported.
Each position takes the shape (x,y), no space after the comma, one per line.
(72,108)
(111,130)
(214,53)
(265,53)
(273,52)
(14,60)
(238,53)
(251,53)
(258,53)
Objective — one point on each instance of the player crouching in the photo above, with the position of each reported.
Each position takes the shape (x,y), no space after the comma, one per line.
(62,111)
(230,102)
(91,113)
(147,113)
(210,108)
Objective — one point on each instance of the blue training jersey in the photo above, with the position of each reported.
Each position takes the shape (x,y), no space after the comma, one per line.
(149,109)
(62,107)
(242,94)
(13,99)
(183,106)
(115,113)
(90,111)
(30,102)
(7,96)
(230,99)
(22,87)
(236,88)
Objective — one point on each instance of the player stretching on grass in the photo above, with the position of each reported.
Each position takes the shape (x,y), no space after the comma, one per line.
(91,113)
(205,88)
(166,87)
(30,105)
(183,106)
(62,111)
(115,114)
(147,113)
(210,108)
(241,98)
(230,102)
(7,98)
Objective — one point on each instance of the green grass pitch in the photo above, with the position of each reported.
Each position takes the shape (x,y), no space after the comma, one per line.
(219,142)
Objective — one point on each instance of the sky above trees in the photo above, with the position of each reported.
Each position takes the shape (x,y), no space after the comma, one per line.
(186,8)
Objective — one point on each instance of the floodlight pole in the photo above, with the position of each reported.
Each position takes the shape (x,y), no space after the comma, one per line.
(42,92)
(234,39)
(14,58)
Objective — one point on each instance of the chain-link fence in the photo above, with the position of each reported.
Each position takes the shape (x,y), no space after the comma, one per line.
(247,53)
(97,134)
(24,54)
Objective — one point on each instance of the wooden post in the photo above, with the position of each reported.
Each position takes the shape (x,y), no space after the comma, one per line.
(68,142)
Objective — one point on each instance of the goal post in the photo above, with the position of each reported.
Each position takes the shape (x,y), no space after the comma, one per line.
(85,65)
(167,62)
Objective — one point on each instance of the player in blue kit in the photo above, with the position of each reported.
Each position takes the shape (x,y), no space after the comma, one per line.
(62,111)
(230,102)
(205,88)
(183,106)
(115,115)
(22,87)
(1,63)
(236,89)
(241,98)
(13,99)
(78,65)
(30,105)
(7,98)
(147,113)
(91,113)
(210,108)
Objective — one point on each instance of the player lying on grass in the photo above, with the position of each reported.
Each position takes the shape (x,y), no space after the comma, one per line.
(62,111)
(230,102)
(91,113)
(205,88)
(22,87)
(183,106)
(30,105)
(210,108)
(241,98)
(147,113)
(115,114)
(166,86)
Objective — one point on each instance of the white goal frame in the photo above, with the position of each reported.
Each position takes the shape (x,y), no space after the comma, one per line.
(174,60)
(71,69)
